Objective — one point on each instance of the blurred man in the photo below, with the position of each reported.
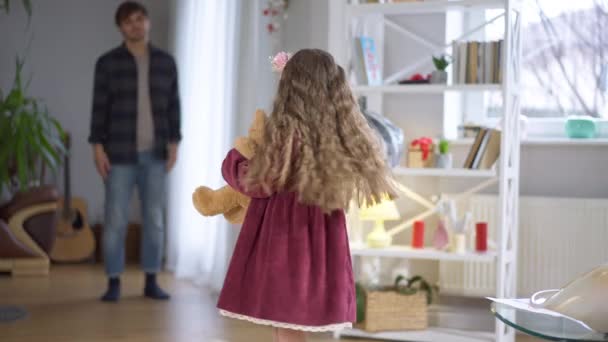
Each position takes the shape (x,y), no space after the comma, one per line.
(135,130)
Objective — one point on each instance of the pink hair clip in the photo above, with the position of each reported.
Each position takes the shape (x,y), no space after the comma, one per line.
(279,61)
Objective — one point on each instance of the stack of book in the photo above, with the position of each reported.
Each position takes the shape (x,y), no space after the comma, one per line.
(477,62)
(485,150)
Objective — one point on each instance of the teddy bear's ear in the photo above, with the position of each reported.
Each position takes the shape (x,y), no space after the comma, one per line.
(260,116)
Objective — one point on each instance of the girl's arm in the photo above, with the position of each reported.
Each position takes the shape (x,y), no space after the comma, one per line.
(234,170)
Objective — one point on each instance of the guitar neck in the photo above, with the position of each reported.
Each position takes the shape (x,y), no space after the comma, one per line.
(67,186)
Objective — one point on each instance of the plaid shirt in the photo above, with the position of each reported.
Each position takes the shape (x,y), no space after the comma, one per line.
(114,117)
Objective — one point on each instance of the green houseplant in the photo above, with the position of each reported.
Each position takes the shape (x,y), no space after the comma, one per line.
(444,159)
(440,75)
(30,139)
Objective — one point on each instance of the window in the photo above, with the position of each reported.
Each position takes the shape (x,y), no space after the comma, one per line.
(564,58)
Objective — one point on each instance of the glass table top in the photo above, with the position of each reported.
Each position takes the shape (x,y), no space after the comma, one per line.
(545,326)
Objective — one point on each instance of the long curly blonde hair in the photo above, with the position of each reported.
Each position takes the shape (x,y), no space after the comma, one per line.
(316,141)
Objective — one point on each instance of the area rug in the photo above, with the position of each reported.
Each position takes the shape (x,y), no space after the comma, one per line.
(10,313)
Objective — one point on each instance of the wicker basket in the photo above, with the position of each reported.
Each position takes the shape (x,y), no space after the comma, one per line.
(389,310)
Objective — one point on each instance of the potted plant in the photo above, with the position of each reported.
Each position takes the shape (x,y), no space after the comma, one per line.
(30,139)
(440,76)
(444,158)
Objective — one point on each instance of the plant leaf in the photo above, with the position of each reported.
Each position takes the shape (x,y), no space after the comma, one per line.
(27,4)
(49,152)
(413,280)
(398,280)
(21,161)
(18,69)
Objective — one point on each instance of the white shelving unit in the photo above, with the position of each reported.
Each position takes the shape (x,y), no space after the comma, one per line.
(428,172)
(425,88)
(504,258)
(422,254)
(430,6)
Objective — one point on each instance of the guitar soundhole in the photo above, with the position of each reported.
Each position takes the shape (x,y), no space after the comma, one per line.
(72,222)
(77,222)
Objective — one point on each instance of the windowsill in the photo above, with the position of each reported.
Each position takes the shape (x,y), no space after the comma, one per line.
(546,141)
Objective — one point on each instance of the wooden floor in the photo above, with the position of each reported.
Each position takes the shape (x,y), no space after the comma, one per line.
(65,307)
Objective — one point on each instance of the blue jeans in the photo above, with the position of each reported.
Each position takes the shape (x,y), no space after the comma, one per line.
(149,174)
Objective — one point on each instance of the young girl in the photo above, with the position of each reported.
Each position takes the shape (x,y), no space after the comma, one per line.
(291,268)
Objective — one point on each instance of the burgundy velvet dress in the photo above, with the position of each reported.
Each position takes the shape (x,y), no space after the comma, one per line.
(291,266)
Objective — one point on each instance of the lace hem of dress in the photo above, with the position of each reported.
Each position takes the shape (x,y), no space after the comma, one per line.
(320,328)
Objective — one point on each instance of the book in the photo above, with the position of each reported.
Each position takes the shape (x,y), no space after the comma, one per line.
(481,150)
(462,68)
(472,56)
(367,53)
(480,63)
(500,61)
(488,63)
(491,151)
(474,148)
(359,63)
(455,64)
(495,61)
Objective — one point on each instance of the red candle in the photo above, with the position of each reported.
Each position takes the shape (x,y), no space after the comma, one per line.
(481,236)
(418,235)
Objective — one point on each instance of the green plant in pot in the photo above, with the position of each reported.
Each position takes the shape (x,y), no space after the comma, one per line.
(444,157)
(440,75)
(30,139)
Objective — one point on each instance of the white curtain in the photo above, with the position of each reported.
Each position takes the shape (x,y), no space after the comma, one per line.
(205,41)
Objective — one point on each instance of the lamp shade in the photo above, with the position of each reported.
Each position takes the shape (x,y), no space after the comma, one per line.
(383,211)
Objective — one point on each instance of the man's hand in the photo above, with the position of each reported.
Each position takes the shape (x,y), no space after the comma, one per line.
(171,156)
(101,160)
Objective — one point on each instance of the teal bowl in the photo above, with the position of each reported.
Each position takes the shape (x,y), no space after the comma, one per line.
(580,128)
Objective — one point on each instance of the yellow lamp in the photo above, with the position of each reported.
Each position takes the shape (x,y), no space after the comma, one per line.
(383,211)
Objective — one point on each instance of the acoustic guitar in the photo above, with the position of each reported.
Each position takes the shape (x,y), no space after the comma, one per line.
(74,240)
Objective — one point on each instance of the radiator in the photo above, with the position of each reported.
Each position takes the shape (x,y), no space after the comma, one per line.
(559,238)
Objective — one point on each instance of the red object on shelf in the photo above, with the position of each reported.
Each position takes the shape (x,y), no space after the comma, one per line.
(417,77)
(425,146)
(481,237)
(418,235)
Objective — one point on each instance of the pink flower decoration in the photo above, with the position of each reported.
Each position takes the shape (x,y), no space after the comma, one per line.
(279,61)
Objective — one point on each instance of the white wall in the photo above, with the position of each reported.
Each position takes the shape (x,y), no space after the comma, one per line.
(66,38)
(254,67)
(307,25)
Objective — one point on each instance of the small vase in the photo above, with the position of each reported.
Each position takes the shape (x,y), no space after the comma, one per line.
(439,77)
(441,241)
(444,161)
(459,243)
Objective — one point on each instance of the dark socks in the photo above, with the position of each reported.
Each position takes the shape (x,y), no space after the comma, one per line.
(152,290)
(113,292)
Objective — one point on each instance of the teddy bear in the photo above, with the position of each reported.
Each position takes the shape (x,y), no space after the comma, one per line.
(226,200)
